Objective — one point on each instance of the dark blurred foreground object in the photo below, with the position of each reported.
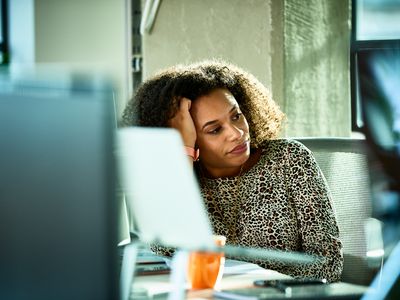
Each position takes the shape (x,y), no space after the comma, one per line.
(379,87)
(379,74)
(57,208)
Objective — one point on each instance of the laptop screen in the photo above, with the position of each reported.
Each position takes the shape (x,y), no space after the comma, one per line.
(161,190)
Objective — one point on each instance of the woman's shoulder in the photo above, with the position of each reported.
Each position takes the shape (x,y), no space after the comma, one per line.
(285,145)
(290,151)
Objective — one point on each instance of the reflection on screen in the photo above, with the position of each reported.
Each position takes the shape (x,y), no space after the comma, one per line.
(379,84)
(379,89)
(386,69)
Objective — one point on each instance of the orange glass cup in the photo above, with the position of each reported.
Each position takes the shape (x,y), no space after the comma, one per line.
(205,269)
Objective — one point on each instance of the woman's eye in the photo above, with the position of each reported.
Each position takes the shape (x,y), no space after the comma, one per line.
(237,116)
(215,131)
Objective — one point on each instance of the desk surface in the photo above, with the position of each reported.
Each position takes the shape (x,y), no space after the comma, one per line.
(239,277)
(159,284)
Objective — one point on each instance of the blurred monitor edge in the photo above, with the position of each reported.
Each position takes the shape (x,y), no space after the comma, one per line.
(57,190)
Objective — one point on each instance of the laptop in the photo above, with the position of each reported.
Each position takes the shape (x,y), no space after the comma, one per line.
(161,191)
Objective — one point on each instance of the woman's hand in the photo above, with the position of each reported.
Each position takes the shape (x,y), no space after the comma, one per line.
(183,122)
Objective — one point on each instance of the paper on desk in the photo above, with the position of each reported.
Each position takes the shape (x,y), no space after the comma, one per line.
(233,266)
(146,256)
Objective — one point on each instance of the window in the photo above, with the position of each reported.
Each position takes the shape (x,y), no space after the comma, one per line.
(375,27)
(4,54)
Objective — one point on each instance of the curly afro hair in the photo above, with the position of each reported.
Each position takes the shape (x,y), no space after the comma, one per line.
(157,99)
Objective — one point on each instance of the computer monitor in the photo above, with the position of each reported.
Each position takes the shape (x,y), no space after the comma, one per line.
(379,81)
(57,198)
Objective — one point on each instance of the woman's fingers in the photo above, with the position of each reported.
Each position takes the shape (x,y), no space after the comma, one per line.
(183,122)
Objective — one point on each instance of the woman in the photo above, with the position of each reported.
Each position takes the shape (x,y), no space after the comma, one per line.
(259,191)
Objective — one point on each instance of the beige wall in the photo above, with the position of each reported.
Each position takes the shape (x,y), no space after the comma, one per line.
(86,34)
(316,72)
(299,49)
(187,31)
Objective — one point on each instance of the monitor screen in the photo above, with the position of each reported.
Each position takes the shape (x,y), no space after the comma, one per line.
(57,209)
(379,81)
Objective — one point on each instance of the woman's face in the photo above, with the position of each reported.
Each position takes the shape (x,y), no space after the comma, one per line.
(222,133)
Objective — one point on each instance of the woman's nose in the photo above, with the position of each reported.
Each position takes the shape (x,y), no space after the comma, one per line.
(235,133)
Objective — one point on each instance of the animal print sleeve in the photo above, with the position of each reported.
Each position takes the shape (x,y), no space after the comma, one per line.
(307,188)
(162,250)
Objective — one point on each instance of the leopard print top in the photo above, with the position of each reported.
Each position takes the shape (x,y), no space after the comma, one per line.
(282,202)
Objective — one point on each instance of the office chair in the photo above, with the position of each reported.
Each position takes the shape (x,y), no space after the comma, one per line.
(343,162)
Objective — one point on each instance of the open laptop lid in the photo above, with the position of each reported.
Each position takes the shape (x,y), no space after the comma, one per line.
(161,189)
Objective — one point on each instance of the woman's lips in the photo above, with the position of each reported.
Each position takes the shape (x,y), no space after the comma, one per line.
(240,149)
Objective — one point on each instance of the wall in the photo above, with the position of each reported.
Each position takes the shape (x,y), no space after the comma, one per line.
(84,34)
(187,31)
(316,70)
(87,35)
(21,31)
(299,49)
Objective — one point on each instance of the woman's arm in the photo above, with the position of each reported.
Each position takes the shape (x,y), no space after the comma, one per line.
(162,250)
(307,188)
(183,122)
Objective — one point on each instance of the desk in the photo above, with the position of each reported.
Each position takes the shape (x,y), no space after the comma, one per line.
(158,286)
